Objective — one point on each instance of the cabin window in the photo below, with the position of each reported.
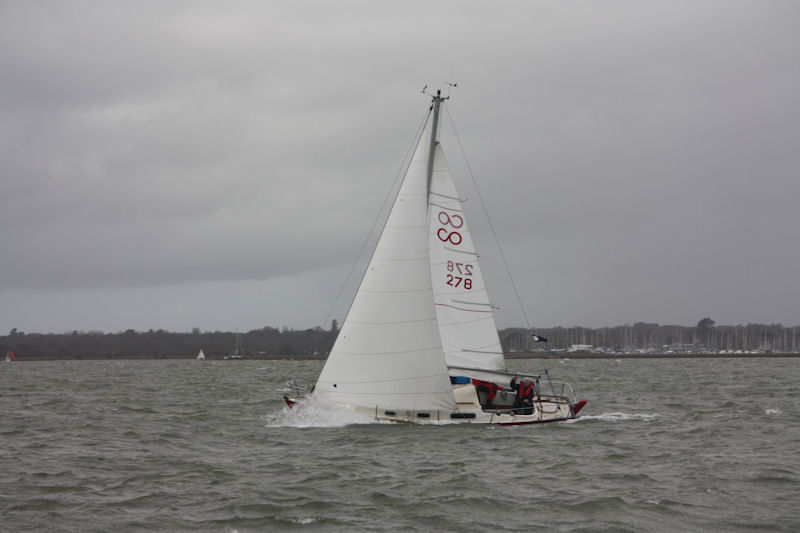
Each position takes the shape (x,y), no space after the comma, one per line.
(389,413)
(423,415)
(462,415)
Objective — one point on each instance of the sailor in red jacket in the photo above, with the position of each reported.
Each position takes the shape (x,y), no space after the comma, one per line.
(523,404)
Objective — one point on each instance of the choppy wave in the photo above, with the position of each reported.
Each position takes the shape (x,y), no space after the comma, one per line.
(171,446)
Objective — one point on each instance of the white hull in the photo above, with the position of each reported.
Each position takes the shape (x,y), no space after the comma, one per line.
(545,408)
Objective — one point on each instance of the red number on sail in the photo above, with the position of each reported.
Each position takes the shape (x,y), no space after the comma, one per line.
(455,281)
(463,270)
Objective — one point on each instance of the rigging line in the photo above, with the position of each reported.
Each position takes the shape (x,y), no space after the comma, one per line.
(406,161)
(489,220)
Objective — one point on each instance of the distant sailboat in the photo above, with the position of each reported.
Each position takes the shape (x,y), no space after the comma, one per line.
(236,350)
(201,356)
(420,342)
(10,355)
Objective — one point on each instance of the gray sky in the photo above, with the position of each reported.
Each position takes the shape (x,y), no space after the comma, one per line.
(218,164)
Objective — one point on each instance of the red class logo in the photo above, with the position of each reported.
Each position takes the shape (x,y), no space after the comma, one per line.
(454,221)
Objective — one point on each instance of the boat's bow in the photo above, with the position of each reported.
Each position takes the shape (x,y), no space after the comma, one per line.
(577,407)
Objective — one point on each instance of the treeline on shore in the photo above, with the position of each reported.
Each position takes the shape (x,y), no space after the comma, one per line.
(158,344)
(269,342)
(642,337)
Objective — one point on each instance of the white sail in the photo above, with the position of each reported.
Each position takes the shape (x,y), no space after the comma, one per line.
(389,353)
(466,319)
(201,355)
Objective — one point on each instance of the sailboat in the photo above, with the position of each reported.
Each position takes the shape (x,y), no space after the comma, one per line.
(201,356)
(9,356)
(236,350)
(420,343)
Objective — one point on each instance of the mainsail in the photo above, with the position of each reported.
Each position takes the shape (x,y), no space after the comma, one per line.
(466,319)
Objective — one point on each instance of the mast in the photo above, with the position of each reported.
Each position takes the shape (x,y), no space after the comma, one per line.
(437,100)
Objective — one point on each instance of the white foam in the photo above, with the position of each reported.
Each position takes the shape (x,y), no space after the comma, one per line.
(297,520)
(618,417)
(313,413)
(772,411)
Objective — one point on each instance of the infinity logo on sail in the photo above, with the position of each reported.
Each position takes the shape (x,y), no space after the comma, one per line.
(450,236)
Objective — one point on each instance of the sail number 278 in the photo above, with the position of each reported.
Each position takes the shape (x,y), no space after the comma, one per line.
(462,279)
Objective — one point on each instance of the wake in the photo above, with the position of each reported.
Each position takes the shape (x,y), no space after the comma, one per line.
(616,417)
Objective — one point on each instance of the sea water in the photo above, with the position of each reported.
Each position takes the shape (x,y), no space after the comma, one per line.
(184,445)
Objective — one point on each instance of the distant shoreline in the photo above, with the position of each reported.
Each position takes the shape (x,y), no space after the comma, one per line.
(508,357)
(653,356)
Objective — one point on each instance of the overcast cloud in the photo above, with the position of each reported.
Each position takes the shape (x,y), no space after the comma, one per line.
(218,164)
